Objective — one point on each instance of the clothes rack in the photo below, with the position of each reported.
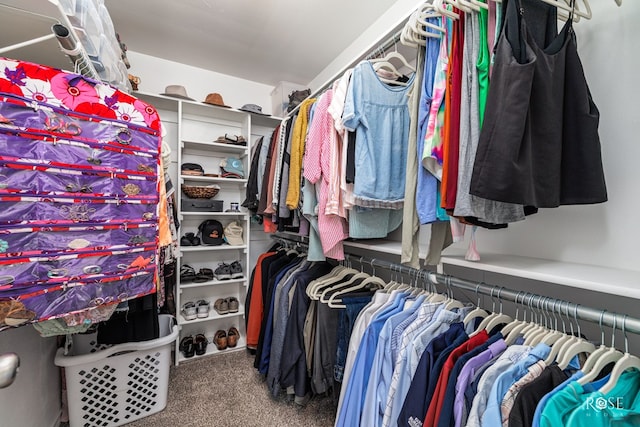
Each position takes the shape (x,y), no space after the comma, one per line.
(550,305)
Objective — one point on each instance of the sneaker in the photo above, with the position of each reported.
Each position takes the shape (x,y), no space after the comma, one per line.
(221,306)
(233,304)
(189,311)
(223,272)
(202,308)
(236,270)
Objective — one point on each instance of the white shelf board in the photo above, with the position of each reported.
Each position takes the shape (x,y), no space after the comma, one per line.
(205,248)
(213,350)
(218,147)
(582,276)
(160,102)
(211,283)
(212,179)
(213,315)
(233,214)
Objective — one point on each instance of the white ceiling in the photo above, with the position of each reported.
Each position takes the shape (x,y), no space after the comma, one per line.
(265,41)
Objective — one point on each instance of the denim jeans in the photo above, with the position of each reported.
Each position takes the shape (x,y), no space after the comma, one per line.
(346,320)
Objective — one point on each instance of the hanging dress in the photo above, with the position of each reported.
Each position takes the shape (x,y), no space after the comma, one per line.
(539,144)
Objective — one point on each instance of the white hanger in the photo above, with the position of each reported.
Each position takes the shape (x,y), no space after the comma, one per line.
(476,312)
(428,10)
(396,55)
(494,319)
(331,282)
(333,300)
(480,4)
(566,6)
(459,5)
(469,5)
(439,5)
(628,361)
(317,283)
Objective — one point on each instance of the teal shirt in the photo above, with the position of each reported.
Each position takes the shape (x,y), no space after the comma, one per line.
(560,406)
(620,407)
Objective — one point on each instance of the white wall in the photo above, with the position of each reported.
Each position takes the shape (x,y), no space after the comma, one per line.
(605,234)
(363,44)
(157,74)
(34,398)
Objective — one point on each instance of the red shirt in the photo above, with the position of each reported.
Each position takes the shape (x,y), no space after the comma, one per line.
(433,413)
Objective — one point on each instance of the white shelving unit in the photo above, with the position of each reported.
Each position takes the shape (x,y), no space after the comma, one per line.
(194,127)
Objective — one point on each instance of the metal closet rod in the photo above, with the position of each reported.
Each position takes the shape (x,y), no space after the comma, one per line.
(551,305)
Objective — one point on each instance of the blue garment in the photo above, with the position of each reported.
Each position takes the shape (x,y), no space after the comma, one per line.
(351,409)
(536,416)
(382,369)
(279,329)
(413,406)
(346,320)
(492,416)
(265,356)
(446,418)
(427,187)
(380,116)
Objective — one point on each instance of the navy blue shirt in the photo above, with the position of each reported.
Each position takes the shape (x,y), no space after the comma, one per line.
(413,406)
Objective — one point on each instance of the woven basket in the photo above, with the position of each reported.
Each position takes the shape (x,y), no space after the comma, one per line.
(198,192)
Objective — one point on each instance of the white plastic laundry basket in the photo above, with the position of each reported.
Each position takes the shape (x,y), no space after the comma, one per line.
(109,386)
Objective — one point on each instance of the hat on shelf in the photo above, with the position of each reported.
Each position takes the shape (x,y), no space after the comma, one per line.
(211,232)
(253,108)
(215,99)
(233,234)
(176,91)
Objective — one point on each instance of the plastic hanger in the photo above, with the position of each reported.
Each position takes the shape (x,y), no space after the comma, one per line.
(552,337)
(626,362)
(396,55)
(602,357)
(577,11)
(451,303)
(319,289)
(476,312)
(469,5)
(317,283)
(428,10)
(480,4)
(335,302)
(459,5)
(575,346)
(440,7)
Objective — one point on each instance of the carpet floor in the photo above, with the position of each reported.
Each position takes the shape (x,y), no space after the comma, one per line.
(226,391)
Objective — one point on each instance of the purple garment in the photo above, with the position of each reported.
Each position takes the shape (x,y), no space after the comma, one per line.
(466,375)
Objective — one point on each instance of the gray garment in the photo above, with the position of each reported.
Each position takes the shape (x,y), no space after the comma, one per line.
(278,287)
(283,210)
(410,222)
(280,146)
(466,204)
(279,330)
(309,334)
(262,162)
(325,348)
(440,240)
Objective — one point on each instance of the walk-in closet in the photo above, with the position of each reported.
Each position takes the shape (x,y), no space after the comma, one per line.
(391,213)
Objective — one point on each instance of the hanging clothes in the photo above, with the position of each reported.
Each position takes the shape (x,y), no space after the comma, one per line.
(521,154)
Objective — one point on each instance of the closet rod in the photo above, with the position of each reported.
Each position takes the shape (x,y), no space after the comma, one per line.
(551,305)
(382,44)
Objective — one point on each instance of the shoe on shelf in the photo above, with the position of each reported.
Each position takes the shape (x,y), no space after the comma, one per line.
(187,346)
(236,270)
(202,307)
(223,272)
(187,273)
(220,339)
(200,344)
(190,239)
(221,306)
(189,311)
(233,304)
(204,275)
(233,336)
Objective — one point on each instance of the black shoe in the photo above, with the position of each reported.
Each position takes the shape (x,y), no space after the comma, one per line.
(187,273)
(236,270)
(187,346)
(201,344)
(223,272)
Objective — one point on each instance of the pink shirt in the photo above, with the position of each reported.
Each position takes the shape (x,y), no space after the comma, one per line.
(320,138)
